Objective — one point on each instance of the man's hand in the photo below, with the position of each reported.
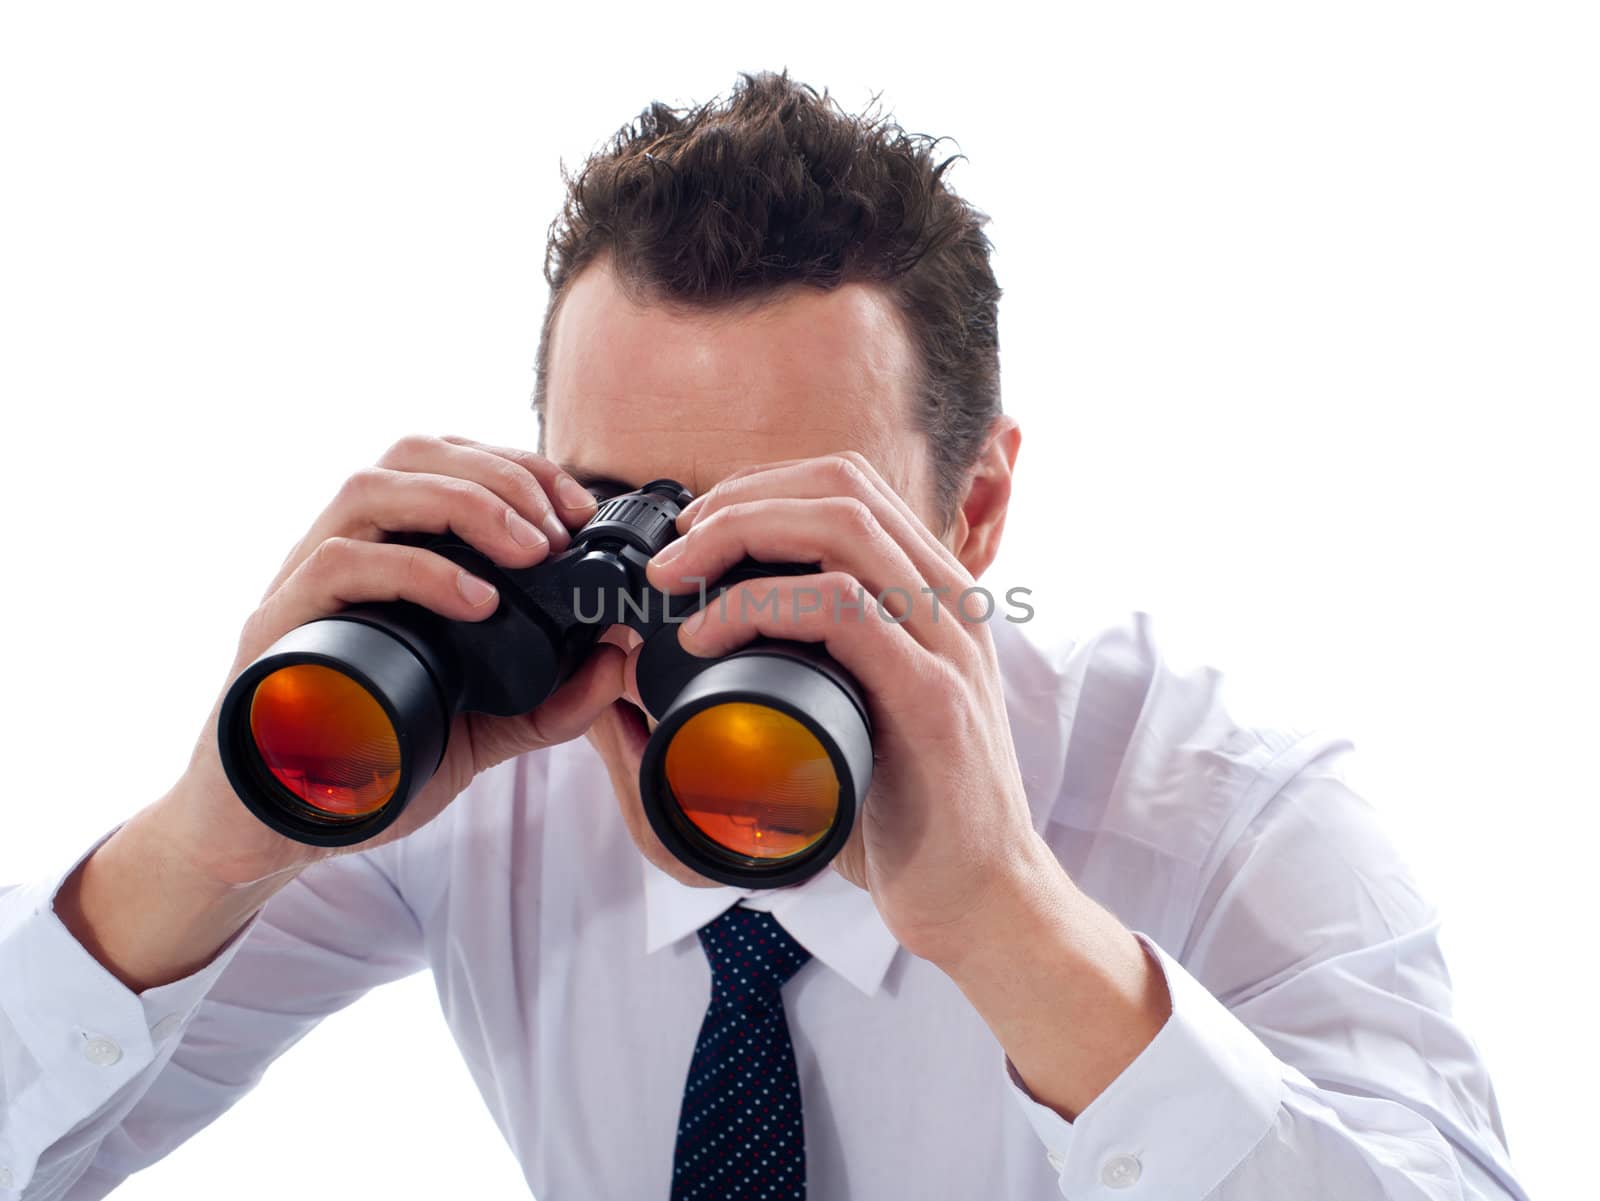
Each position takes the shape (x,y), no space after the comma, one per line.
(946,827)
(945,842)
(179,878)
(514,506)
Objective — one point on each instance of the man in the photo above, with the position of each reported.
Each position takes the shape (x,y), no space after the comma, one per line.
(1089,937)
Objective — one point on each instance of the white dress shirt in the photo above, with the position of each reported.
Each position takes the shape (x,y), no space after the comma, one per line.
(1310,1051)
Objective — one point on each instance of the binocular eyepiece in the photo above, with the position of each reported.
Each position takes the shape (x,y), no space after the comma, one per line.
(753,774)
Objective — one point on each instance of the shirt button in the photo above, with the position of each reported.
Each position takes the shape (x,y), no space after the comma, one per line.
(1120,1171)
(166,1026)
(5,1177)
(102,1051)
(1056,1161)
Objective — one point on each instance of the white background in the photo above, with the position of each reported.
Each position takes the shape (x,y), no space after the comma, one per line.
(1300,320)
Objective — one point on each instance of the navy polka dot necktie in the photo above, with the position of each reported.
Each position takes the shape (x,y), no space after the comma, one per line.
(740,1137)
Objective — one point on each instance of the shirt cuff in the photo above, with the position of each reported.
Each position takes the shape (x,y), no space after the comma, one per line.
(1179,1118)
(85,1031)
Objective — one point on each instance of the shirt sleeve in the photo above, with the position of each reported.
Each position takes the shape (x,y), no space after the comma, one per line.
(97,1081)
(1310,1051)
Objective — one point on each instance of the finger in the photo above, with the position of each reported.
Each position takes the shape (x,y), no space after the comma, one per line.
(843,474)
(519,486)
(837,533)
(346,571)
(381,498)
(569,711)
(590,691)
(909,515)
(376,499)
(891,665)
(575,503)
(686,517)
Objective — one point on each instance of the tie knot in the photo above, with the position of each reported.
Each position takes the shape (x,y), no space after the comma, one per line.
(751,954)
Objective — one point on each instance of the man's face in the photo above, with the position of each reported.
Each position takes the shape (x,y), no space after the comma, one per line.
(634,394)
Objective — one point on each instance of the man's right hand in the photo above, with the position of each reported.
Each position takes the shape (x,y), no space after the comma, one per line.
(159,898)
(515,507)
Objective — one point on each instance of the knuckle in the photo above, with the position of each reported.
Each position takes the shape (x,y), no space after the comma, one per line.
(835,581)
(844,475)
(413,569)
(859,461)
(329,556)
(983,650)
(359,484)
(938,677)
(253,632)
(855,516)
(406,448)
(731,481)
(838,588)
(471,496)
(713,501)
(718,523)
(515,481)
(529,460)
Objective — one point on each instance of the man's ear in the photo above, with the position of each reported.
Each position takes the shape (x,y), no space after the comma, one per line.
(980,518)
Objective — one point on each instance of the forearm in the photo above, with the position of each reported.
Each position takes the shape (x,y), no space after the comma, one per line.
(1068,991)
(149,914)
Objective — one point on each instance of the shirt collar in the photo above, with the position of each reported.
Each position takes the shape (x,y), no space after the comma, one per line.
(826,914)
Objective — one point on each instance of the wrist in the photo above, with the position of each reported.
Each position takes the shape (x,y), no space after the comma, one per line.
(1025,893)
(219,846)
(1068,991)
(147,914)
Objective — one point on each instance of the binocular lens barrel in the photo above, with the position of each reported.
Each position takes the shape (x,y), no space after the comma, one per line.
(752,779)
(325,739)
(753,775)
(327,734)
(756,771)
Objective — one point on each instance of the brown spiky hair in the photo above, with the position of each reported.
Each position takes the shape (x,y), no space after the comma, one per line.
(723,205)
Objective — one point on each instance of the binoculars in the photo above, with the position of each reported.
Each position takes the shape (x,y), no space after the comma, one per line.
(752,775)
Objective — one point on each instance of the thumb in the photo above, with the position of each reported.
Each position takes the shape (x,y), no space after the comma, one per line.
(568,713)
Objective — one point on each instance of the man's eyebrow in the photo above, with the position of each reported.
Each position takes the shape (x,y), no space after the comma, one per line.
(596,481)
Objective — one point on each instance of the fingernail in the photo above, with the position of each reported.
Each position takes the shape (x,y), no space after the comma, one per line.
(668,553)
(522,530)
(477,592)
(572,494)
(553,526)
(695,623)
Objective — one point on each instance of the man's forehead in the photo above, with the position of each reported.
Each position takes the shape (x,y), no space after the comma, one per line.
(635,392)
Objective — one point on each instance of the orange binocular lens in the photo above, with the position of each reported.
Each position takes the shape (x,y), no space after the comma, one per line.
(326,739)
(752,779)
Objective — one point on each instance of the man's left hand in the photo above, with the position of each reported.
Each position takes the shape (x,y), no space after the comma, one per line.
(945,837)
